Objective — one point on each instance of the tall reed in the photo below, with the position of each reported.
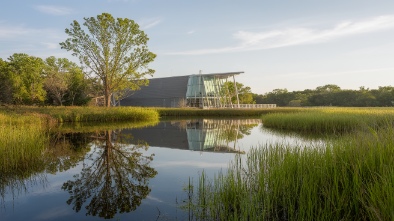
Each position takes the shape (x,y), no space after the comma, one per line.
(22,139)
(344,179)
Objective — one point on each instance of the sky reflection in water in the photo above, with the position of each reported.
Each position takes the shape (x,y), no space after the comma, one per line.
(131,173)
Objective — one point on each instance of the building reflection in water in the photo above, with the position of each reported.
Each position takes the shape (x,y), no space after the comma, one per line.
(218,135)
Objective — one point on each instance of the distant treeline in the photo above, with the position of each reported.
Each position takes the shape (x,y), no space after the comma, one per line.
(330,95)
(30,80)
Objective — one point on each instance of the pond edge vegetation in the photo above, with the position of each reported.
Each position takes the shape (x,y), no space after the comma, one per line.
(350,178)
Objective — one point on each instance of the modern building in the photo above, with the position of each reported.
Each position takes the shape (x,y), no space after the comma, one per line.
(198,90)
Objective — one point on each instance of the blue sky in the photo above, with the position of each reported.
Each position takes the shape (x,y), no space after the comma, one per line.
(278,44)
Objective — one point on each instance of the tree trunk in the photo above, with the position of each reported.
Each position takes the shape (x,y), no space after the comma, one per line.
(107,98)
(107,94)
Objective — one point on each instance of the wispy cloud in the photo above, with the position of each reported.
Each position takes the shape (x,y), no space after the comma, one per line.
(149,23)
(35,41)
(54,10)
(50,45)
(249,41)
(7,31)
(191,32)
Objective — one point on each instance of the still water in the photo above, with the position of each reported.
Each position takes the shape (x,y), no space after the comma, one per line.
(128,174)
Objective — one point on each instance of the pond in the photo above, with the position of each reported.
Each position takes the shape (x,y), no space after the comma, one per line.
(128,174)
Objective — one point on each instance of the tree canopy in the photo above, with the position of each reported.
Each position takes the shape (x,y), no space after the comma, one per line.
(23,73)
(115,50)
(30,80)
(245,94)
(331,95)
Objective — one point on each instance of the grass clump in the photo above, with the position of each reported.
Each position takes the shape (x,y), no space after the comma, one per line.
(22,139)
(349,179)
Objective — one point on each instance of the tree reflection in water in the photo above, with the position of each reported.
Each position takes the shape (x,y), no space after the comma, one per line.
(115,179)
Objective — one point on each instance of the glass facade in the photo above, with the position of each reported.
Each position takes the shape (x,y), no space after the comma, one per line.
(206,91)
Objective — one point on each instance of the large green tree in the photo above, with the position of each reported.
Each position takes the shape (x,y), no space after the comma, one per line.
(115,50)
(6,83)
(25,73)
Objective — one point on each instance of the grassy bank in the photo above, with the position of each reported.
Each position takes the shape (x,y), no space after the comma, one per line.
(26,146)
(88,114)
(24,131)
(331,120)
(351,178)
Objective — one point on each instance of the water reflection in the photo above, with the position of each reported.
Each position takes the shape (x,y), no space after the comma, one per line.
(114,180)
(112,168)
(214,135)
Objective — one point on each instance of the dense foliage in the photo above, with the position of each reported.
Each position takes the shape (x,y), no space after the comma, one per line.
(245,95)
(30,80)
(330,95)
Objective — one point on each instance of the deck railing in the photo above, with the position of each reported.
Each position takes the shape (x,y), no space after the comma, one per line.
(250,106)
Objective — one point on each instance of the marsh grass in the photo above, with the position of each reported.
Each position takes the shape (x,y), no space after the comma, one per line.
(351,178)
(90,114)
(22,139)
(24,130)
(27,149)
(331,120)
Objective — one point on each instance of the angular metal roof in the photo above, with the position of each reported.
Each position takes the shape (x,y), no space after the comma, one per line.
(222,75)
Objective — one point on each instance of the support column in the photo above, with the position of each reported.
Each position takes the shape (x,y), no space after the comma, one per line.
(236,89)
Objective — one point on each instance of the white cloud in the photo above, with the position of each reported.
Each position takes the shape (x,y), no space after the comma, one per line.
(149,23)
(12,31)
(249,41)
(53,10)
(40,42)
(191,32)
